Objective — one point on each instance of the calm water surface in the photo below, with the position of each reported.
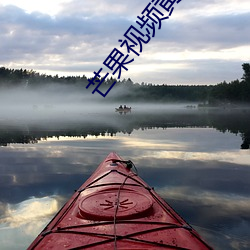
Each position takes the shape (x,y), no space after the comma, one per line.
(193,158)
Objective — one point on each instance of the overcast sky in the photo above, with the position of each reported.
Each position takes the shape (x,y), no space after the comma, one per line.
(203,42)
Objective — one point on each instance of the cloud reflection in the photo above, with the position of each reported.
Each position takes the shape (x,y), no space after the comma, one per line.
(223,156)
(198,171)
(22,222)
(29,212)
(228,203)
(222,213)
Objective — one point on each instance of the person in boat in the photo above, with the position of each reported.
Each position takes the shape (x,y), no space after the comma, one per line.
(120,107)
(125,106)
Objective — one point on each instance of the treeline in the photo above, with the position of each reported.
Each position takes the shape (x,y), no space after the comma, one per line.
(31,78)
(237,91)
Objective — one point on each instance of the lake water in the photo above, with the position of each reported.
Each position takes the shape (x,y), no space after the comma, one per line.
(197,160)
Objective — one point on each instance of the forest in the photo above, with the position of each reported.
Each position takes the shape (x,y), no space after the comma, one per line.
(224,93)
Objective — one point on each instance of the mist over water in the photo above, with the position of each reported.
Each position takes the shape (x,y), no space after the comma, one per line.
(61,103)
(48,102)
(56,110)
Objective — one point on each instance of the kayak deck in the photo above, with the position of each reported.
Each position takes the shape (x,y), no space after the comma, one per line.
(116,209)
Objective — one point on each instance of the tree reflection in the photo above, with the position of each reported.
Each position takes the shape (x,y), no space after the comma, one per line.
(236,122)
(246,141)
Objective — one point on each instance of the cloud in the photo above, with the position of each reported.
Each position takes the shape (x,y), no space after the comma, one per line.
(211,33)
(95,8)
(47,41)
(82,34)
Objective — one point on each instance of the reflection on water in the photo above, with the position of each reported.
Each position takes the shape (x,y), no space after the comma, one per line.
(56,123)
(22,220)
(193,160)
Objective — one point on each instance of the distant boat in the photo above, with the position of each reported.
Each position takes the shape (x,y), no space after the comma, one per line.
(125,110)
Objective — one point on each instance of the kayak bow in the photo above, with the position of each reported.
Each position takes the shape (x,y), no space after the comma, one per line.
(116,209)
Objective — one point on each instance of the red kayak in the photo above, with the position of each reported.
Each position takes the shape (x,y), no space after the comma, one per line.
(116,209)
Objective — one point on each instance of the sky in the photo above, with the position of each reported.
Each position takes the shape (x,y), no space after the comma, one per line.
(203,42)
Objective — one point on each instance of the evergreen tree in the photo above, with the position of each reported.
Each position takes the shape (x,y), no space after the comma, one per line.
(246,75)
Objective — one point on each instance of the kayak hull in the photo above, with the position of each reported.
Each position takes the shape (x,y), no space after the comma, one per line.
(116,209)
